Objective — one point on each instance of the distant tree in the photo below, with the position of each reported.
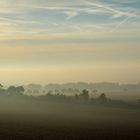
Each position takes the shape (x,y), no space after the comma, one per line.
(50,92)
(1,86)
(20,90)
(64,90)
(84,95)
(12,90)
(102,97)
(76,97)
(1,89)
(49,95)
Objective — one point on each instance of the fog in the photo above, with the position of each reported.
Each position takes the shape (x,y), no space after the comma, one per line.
(73,114)
(114,90)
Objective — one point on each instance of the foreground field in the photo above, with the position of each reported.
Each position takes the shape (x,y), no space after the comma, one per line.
(61,121)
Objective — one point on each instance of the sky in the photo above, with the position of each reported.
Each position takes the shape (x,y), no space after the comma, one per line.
(45,41)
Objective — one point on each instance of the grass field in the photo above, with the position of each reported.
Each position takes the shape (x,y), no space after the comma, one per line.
(64,121)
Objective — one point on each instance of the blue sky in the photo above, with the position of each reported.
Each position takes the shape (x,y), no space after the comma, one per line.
(96,36)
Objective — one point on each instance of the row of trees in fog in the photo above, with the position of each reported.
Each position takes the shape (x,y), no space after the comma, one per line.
(82,97)
(18,91)
(12,90)
(77,87)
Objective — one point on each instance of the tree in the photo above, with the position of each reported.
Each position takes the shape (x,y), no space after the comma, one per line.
(76,97)
(2,91)
(84,95)
(20,90)
(12,90)
(102,97)
(1,86)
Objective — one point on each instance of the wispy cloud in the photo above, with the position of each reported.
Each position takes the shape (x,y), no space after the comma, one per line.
(114,11)
(124,1)
(76,16)
(70,14)
(120,23)
(16,20)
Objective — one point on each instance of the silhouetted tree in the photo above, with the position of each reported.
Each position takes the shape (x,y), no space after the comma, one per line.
(1,86)
(102,98)
(49,95)
(76,97)
(64,90)
(20,90)
(84,95)
(2,91)
(12,90)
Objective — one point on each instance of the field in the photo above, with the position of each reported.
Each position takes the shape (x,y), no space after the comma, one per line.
(35,120)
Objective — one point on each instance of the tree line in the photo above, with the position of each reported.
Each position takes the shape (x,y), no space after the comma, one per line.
(82,97)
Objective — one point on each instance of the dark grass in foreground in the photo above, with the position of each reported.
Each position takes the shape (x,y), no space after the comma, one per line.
(64,121)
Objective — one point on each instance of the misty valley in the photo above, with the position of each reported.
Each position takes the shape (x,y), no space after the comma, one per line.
(69,69)
(58,111)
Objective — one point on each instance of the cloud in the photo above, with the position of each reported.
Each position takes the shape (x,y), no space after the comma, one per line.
(120,23)
(32,17)
(70,14)
(114,11)
(16,20)
(124,1)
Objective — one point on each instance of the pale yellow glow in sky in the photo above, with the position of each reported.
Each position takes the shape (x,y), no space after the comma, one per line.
(123,73)
(69,41)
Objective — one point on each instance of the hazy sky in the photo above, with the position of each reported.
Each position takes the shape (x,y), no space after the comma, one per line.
(53,41)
